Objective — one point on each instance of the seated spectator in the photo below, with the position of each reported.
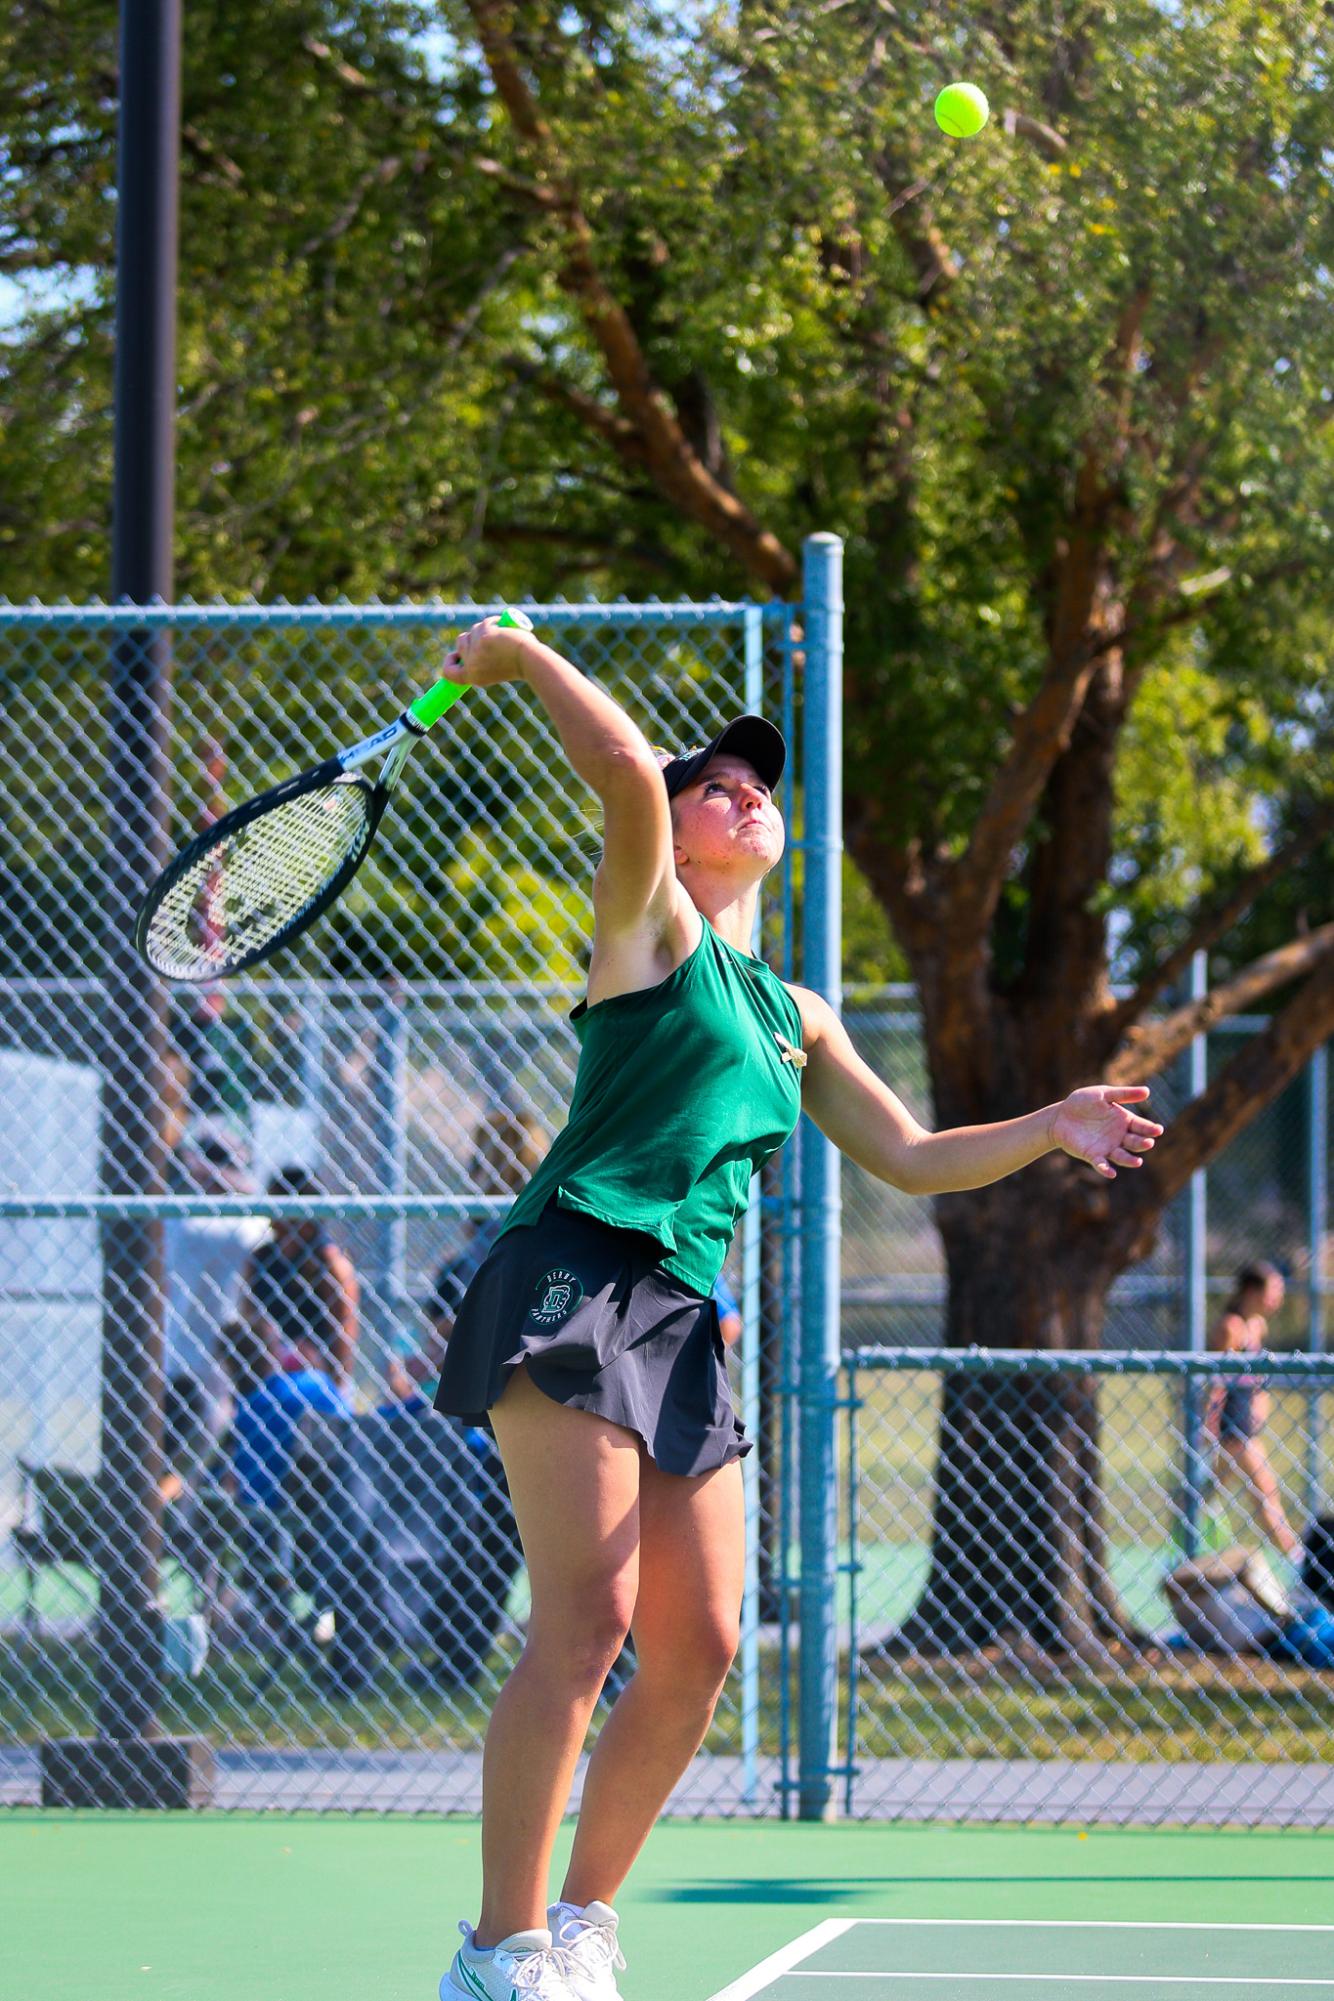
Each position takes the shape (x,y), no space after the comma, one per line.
(301,1288)
(245,1358)
(403,1375)
(264,1476)
(197,1532)
(467,1617)
(205,1258)
(266,1426)
(422,1513)
(507,1146)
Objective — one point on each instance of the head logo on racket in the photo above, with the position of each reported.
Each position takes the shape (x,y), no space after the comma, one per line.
(558,1293)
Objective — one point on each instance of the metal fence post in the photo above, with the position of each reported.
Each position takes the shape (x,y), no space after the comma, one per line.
(752,1255)
(782,1286)
(1197,1302)
(821,1221)
(1318,1206)
(385,1298)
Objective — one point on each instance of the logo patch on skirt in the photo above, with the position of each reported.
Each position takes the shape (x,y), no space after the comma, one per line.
(558,1293)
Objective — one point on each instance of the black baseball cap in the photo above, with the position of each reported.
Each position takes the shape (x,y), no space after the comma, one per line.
(749,737)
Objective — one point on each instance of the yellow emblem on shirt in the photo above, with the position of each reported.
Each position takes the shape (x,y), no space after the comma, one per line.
(796,1057)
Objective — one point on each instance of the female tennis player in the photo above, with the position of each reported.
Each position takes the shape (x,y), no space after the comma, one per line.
(588,1338)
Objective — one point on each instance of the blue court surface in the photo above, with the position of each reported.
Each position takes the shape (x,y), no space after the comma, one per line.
(988,1959)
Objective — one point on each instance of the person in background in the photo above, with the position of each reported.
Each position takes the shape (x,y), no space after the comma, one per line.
(425,1518)
(301,1288)
(265,1438)
(203,1540)
(402,1390)
(264,1430)
(729,1313)
(205,1258)
(507,1146)
(1239,1406)
(246,1360)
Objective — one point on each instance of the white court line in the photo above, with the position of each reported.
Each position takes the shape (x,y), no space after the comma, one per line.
(1099,1924)
(784,1960)
(1081,1979)
(788,1958)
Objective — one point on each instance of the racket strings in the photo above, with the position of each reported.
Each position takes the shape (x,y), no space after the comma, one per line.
(258,881)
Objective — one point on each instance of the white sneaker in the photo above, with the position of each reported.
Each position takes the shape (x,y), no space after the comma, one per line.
(588,1936)
(524,1964)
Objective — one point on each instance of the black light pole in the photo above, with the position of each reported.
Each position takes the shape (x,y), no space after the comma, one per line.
(130,1644)
(129,1763)
(150,120)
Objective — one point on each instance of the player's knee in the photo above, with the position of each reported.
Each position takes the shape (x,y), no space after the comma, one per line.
(694,1660)
(580,1648)
(718,1649)
(590,1660)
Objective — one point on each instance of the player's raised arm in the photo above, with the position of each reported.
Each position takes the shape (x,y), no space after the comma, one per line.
(607,750)
(858,1111)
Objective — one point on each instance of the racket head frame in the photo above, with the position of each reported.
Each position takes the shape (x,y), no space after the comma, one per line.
(319,776)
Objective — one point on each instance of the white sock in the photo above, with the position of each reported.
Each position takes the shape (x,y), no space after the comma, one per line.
(522,1941)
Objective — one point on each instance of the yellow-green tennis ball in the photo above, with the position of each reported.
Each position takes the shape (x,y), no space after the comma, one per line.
(962,110)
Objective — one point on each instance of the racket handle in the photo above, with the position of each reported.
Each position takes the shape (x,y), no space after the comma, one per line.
(429,708)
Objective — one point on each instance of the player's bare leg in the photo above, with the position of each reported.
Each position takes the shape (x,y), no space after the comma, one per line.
(686,1622)
(574,1481)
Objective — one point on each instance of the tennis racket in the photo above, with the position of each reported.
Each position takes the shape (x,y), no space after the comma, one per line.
(262,874)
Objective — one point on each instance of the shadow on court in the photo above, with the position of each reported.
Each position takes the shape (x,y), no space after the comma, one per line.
(825,1889)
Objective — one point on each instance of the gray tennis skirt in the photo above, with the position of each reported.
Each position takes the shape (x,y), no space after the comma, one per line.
(602,1327)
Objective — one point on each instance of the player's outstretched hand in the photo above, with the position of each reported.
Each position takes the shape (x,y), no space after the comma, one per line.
(488,653)
(1094,1125)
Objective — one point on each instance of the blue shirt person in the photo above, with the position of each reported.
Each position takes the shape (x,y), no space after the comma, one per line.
(264,1431)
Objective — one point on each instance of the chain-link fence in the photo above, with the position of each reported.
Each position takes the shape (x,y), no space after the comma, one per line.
(339,1570)
(1063,1599)
(339,1573)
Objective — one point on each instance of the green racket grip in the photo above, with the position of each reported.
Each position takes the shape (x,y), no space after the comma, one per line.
(429,708)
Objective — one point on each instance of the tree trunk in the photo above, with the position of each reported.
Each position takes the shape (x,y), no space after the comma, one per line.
(1018,1549)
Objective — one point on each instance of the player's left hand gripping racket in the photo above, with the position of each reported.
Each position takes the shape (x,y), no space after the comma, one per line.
(259,876)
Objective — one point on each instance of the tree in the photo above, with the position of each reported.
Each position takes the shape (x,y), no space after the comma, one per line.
(1067,396)
(336,277)
(641,296)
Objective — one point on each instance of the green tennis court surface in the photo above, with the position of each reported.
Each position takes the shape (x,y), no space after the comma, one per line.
(219,1907)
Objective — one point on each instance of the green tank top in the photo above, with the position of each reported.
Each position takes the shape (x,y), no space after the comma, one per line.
(683,1091)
